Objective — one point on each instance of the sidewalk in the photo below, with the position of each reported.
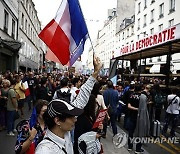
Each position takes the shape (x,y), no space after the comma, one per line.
(109,147)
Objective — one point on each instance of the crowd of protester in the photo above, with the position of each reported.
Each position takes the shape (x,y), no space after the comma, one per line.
(57,98)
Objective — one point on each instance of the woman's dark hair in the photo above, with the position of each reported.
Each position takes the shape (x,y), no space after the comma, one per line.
(75,80)
(64,82)
(89,109)
(157,87)
(13,81)
(49,121)
(96,89)
(43,80)
(138,87)
(39,104)
(110,84)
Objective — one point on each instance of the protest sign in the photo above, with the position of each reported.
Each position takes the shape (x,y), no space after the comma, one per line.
(100,117)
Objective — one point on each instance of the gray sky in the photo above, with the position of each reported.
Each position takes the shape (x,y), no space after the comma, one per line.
(95,13)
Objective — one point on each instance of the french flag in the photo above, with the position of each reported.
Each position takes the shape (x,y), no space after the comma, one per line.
(65,35)
(27,92)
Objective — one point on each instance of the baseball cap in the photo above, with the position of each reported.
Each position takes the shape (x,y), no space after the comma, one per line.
(60,107)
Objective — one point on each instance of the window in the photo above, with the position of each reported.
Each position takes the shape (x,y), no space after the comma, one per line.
(145,34)
(13,29)
(152,16)
(161,10)
(145,16)
(26,26)
(138,37)
(31,35)
(25,48)
(138,24)
(132,30)
(152,31)
(127,32)
(22,21)
(32,15)
(6,19)
(172,6)
(21,50)
(29,32)
(171,22)
(123,36)
(26,4)
(29,10)
(139,7)
(160,27)
(145,4)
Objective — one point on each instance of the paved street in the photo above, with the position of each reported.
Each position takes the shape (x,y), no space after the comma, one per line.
(7,143)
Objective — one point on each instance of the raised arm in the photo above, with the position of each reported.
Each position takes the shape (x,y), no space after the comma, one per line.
(85,90)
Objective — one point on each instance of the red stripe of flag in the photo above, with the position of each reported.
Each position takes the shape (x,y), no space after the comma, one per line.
(55,38)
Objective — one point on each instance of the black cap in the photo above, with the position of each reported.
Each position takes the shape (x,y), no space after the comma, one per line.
(59,107)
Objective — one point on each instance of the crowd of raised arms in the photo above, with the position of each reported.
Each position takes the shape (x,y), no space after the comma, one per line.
(65,105)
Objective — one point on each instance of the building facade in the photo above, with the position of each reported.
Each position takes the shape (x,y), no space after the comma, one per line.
(9,44)
(148,18)
(125,9)
(105,43)
(20,46)
(153,16)
(31,55)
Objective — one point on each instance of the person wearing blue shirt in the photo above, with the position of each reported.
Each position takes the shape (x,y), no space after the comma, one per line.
(111,101)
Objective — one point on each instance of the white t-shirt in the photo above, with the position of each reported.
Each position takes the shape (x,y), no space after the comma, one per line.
(100,100)
(174,107)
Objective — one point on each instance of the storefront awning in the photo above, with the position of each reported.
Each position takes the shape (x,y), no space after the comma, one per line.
(10,44)
(153,52)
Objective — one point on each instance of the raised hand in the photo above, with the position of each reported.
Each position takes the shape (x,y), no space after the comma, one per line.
(97,66)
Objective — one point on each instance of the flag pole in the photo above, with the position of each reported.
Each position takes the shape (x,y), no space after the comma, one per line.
(87,27)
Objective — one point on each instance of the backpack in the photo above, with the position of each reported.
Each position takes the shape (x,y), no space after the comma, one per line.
(159,99)
(64,95)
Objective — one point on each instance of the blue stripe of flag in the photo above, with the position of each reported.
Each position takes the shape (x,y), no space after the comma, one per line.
(79,29)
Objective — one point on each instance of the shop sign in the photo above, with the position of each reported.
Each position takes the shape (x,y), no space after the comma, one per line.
(164,36)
